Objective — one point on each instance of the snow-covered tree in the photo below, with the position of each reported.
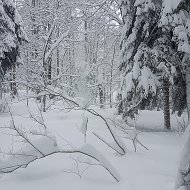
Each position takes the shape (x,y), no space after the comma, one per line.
(138,70)
(177,20)
(100,32)
(174,22)
(149,55)
(166,59)
(11,37)
(181,29)
(179,95)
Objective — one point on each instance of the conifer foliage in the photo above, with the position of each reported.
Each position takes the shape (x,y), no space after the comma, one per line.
(11,34)
(140,28)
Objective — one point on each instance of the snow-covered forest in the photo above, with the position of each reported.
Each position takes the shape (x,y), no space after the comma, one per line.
(95,94)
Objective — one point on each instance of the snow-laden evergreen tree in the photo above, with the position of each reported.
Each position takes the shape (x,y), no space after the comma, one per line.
(178,22)
(175,21)
(181,25)
(148,55)
(164,51)
(11,34)
(139,81)
(11,37)
(179,95)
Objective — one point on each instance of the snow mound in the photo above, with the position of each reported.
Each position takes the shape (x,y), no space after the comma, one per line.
(93,152)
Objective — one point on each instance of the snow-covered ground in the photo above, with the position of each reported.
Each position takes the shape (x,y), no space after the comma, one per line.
(153,169)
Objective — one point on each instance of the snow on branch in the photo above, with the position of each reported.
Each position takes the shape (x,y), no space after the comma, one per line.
(116,139)
(73,104)
(94,153)
(53,46)
(121,148)
(43,147)
(111,145)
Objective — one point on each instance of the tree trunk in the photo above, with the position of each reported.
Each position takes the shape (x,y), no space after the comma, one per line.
(111,73)
(166,104)
(44,103)
(13,83)
(1,93)
(1,87)
(57,51)
(58,65)
(27,73)
(86,41)
(101,96)
(49,73)
(188,91)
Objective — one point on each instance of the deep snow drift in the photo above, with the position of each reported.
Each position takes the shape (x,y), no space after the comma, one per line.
(153,169)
